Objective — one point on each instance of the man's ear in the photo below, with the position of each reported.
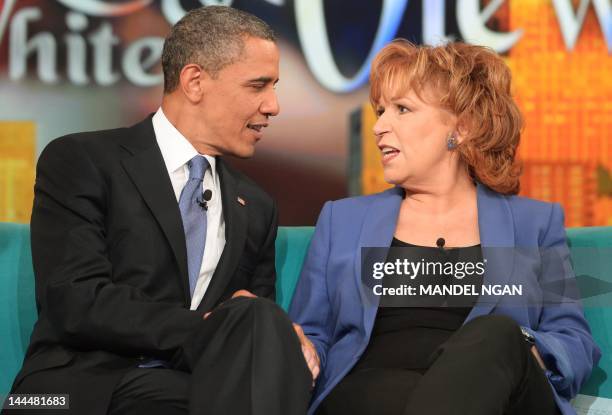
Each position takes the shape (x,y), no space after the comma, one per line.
(190,82)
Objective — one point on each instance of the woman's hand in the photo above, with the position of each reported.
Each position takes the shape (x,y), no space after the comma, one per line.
(310,353)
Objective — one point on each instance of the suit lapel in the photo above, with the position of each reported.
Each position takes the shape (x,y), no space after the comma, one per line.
(377,231)
(235,217)
(496,227)
(147,170)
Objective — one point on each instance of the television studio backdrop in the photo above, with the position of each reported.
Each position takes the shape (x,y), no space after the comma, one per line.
(76,65)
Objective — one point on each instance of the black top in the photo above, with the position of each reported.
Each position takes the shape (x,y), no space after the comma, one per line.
(406,336)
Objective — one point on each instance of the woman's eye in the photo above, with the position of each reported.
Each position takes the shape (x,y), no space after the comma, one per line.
(402,109)
(379,112)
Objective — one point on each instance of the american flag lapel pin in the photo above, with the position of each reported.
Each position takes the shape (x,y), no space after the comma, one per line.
(241,201)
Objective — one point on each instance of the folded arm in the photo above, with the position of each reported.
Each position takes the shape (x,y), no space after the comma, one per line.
(563,337)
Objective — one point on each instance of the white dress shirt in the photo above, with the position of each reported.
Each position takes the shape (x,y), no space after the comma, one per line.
(177,151)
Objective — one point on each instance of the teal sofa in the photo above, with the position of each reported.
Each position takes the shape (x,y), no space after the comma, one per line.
(591,257)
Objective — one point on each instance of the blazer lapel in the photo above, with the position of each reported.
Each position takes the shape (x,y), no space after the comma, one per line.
(377,231)
(235,217)
(147,170)
(496,227)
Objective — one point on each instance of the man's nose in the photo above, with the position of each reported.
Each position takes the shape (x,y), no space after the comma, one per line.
(270,105)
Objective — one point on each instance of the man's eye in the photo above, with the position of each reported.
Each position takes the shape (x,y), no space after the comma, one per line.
(259,86)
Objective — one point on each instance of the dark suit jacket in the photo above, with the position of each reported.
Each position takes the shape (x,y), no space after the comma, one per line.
(111,265)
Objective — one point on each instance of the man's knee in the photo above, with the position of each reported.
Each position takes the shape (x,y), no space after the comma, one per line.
(251,312)
(264,305)
(266,310)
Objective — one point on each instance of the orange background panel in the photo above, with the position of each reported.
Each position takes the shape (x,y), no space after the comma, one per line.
(17,153)
(566,100)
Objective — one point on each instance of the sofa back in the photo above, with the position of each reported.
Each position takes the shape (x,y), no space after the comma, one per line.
(591,257)
(17,304)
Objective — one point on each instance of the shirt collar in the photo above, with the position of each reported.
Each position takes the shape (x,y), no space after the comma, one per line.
(175,148)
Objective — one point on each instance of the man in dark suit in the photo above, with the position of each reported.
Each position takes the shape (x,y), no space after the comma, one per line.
(154,260)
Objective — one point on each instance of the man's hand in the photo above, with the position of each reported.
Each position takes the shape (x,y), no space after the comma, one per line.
(243,293)
(535,352)
(310,353)
(239,293)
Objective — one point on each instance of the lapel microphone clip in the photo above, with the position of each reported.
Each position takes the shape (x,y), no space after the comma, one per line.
(206,196)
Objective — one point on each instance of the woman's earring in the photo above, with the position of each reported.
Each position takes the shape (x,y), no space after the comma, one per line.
(451,141)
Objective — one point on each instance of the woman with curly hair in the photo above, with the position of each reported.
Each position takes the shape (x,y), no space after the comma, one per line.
(448,131)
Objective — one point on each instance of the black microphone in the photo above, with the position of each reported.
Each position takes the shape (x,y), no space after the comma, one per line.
(206,196)
(440,243)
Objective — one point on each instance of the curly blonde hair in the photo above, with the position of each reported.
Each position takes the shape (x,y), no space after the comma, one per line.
(473,83)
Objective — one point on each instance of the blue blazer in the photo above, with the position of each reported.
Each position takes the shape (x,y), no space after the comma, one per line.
(330,306)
